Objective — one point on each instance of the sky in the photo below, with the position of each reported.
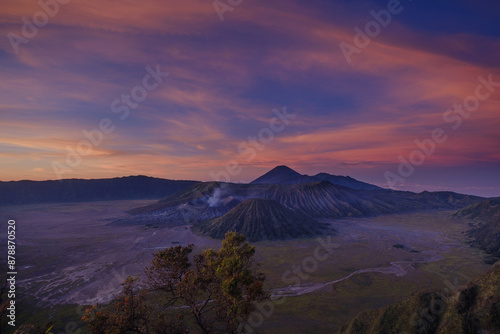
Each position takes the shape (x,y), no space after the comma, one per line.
(228,89)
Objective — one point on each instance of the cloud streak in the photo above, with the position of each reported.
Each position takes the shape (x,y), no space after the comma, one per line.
(227,77)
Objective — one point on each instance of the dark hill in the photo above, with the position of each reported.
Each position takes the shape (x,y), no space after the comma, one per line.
(473,309)
(261,219)
(485,233)
(285,175)
(345,181)
(78,190)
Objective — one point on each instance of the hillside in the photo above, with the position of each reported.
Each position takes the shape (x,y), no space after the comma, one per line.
(345,181)
(282,175)
(325,200)
(78,190)
(475,308)
(318,200)
(484,211)
(285,175)
(261,219)
(485,231)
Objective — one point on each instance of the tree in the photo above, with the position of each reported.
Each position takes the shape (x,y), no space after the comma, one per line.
(214,294)
(130,314)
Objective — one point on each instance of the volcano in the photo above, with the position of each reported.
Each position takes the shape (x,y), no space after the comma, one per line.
(285,175)
(262,219)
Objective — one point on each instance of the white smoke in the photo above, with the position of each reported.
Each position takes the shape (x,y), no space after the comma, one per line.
(215,199)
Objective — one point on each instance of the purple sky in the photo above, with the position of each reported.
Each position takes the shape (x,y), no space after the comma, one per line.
(85,67)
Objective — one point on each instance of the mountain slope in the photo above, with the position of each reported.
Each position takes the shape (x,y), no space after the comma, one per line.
(261,219)
(345,181)
(325,200)
(484,211)
(473,309)
(285,175)
(318,200)
(78,190)
(486,232)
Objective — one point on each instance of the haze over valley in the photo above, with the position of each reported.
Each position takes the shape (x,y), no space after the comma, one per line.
(244,167)
(385,245)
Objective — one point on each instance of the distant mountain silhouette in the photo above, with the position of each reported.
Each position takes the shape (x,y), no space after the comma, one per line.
(485,234)
(78,190)
(286,175)
(472,309)
(345,181)
(262,219)
(290,198)
(283,175)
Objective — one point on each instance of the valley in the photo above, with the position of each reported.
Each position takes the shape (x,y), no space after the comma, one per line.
(74,253)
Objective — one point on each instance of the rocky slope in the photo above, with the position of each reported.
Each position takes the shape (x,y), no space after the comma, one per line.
(475,308)
(262,219)
(485,223)
(316,200)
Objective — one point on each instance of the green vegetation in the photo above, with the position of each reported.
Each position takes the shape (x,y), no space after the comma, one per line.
(486,232)
(365,243)
(475,308)
(215,294)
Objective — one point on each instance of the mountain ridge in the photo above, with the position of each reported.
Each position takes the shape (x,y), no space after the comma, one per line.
(285,175)
(88,190)
(317,200)
(485,226)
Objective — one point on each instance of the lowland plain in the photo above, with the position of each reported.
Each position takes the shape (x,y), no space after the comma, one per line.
(73,254)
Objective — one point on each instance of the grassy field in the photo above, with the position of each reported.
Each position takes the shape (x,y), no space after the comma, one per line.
(69,254)
(369,243)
